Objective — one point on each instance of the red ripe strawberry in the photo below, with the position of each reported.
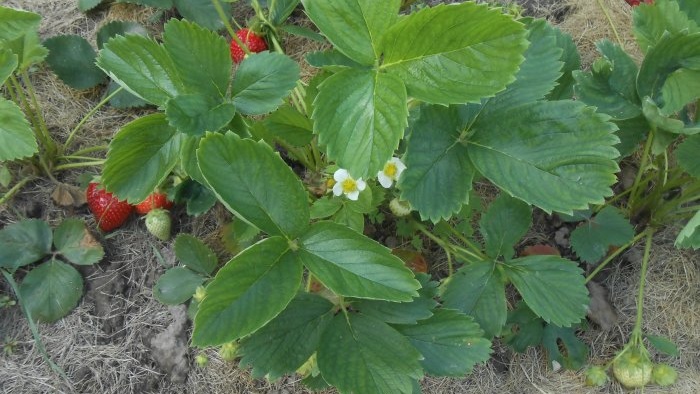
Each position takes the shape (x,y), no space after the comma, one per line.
(108,211)
(154,201)
(254,42)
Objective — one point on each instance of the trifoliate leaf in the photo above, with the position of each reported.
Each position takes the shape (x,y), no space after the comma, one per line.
(195,114)
(688,155)
(284,344)
(523,328)
(436,160)
(194,254)
(177,285)
(368,21)
(254,183)
(51,290)
(572,62)
(24,243)
(361,354)
(248,292)
(478,290)
(118,28)
(593,238)
(564,347)
(454,54)
(76,244)
(16,135)
(610,85)
(202,12)
(352,265)
(360,117)
(689,237)
(262,81)
(506,221)
(16,23)
(573,170)
(73,60)
(651,22)
(451,343)
(553,287)
(28,49)
(419,308)
(140,157)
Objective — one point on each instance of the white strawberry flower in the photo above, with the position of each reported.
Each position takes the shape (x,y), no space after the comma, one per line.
(391,172)
(345,184)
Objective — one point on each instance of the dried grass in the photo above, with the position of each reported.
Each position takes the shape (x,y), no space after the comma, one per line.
(119,362)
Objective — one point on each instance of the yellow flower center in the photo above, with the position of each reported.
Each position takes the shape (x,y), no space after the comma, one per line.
(390,170)
(349,185)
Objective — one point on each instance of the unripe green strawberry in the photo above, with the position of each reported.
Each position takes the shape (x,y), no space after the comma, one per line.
(399,208)
(633,368)
(202,360)
(596,376)
(229,351)
(158,223)
(664,375)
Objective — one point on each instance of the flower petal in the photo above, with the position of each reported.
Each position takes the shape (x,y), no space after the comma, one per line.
(338,189)
(360,184)
(384,180)
(353,195)
(340,175)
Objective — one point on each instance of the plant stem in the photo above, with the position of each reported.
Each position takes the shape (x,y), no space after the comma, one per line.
(32,326)
(87,116)
(642,167)
(227,24)
(449,248)
(615,254)
(17,187)
(95,163)
(642,282)
(90,149)
(50,145)
(612,25)
(466,241)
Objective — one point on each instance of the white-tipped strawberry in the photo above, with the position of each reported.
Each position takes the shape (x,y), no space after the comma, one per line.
(158,223)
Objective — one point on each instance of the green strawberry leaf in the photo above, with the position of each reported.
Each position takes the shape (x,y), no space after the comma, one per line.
(280,10)
(51,290)
(573,170)
(290,126)
(537,75)
(123,99)
(16,135)
(352,265)
(651,22)
(118,28)
(262,81)
(76,244)
(360,117)
(670,72)
(405,312)
(143,67)
(436,160)
(201,56)
(689,237)
(24,243)
(16,23)
(325,207)
(140,157)
(572,62)
(195,114)
(564,347)
(248,292)
(691,9)
(28,49)
(72,59)
(368,21)
(593,238)
(451,343)
(361,354)
(254,183)
(453,54)
(87,5)
(504,223)
(8,64)
(331,60)
(286,342)
(479,291)
(524,328)
(631,133)
(202,12)
(663,345)
(687,155)
(610,86)
(553,287)
(177,285)
(195,255)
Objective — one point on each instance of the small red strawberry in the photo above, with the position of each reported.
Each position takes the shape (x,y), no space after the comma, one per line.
(158,223)
(635,3)
(108,211)
(254,42)
(153,201)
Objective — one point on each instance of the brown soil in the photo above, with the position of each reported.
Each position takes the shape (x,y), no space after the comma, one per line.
(120,340)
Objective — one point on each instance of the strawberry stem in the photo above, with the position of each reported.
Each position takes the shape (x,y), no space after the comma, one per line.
(88,116)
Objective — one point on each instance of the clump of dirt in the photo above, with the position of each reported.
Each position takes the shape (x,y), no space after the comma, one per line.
(169,347)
